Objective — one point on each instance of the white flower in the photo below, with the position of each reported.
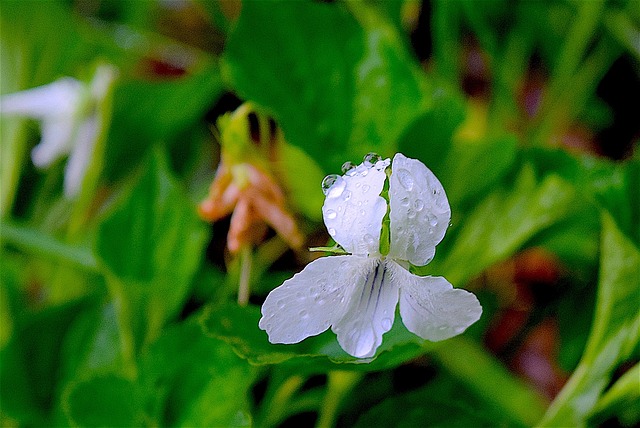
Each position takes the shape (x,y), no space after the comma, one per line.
(67,109)
(357,294)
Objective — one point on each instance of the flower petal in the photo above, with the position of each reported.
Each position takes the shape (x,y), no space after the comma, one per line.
(353,209)
(308,303)
(420,211)
(431,308)
(370,313)
(80,157)
(58,99)
(57,140)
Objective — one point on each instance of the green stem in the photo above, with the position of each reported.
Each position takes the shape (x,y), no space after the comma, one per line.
(570,101)
(276,407)
(244,289)
(339,383)
(446,39)
(13,153)
(82,204)
(35,242)
(484,375)
(563,90)
(510,71)
(124,317)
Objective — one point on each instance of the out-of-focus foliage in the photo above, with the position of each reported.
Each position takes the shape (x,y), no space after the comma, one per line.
(118,308)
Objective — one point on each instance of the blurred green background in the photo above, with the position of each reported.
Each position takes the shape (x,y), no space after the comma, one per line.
(118,306)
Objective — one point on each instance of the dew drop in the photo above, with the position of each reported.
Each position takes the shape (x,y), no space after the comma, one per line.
(362,213)
(442,328)
(303,314)
(405,178)
(404,202)
(346,195)
(358,185)
(418,204)
(370,159)
(331,214)
(365,188)
(433,222)
(333,185)
(332,231)
(348,168)
(281,303)
(411,214)
(386,323)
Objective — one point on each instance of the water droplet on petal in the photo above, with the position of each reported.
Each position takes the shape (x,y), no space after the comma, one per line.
(332,231)
(362,213)
(370,159)
(386,323)
(411,214)
(303,314)
(433,222)
(405,178)
(331,214)
(418,204)
(442,328)
(346,195)
(281,303)
(333,185)
(348,167)
(404,202)
(365,188)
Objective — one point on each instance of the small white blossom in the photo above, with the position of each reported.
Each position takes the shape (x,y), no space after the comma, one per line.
(70,123)
(357,294)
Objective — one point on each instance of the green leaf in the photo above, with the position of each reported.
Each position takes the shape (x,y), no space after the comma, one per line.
(198,380)
(609,185)
(340,87)
(623,396)
(149,112)
(239,327)
(472,169)
(302,177)
(104,400)
(93,344)
(482,374)
(615,332)
(435,405)
(150,246)
(30,361)
(500,225)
